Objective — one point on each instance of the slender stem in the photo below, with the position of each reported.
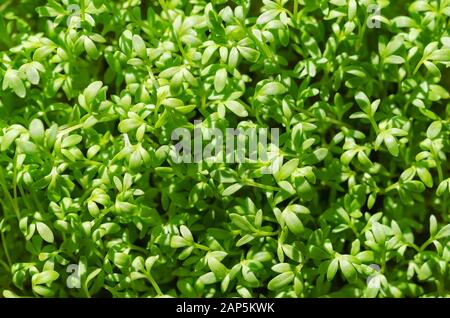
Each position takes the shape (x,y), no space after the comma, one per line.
(418,67)
(86,291)
(70,129)
(440,287)
(154,284)
(139,249)
(412,245)
(438,164)
(328,119)
(201,247)
(262,186)
(391,187)
(174,34)
(265,233)
(7,194)
(261,45)
(374,124)
(383,262)
(15,179)
(425,245)
(5,248)
(24,198)
(152,76)
(445,207)
(8,268)
(353,228)
(361,34)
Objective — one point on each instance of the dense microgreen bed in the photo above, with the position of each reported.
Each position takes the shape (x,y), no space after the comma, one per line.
(93,204)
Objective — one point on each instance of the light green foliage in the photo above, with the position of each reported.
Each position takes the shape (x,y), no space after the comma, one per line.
(89,99)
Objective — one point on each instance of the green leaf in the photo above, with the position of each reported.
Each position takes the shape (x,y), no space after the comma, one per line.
(71,141)
(403,22)
(12,80)
(442,55)
(391,144)
(317,156)
(394,59)
(433,69)
(297,208)
(352,9)
(129,125)
(273,88)
(434,129)
(37,130)
(220,80)
(92,90)
(247,238)
(217,268)
(378,232)
(44,277)
(139,46)
(231,189)
(282,267)
(32,75)
(150,262)
(347,269)
(241,222)
(364,159)
(443,233)
(287,169)
(236,107)
(363,101)
(179,241)
(186,233)
(425,176)
(27,147)
(414,186)
(45,232)
(357,125)
(332,269)
(425,271)
(249,54)
(392,47)
(267,16)
(281,280)
(233,57)
(90,48)
(9,138)
(443,186)
(208,278)
(208,53)
(293,222)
